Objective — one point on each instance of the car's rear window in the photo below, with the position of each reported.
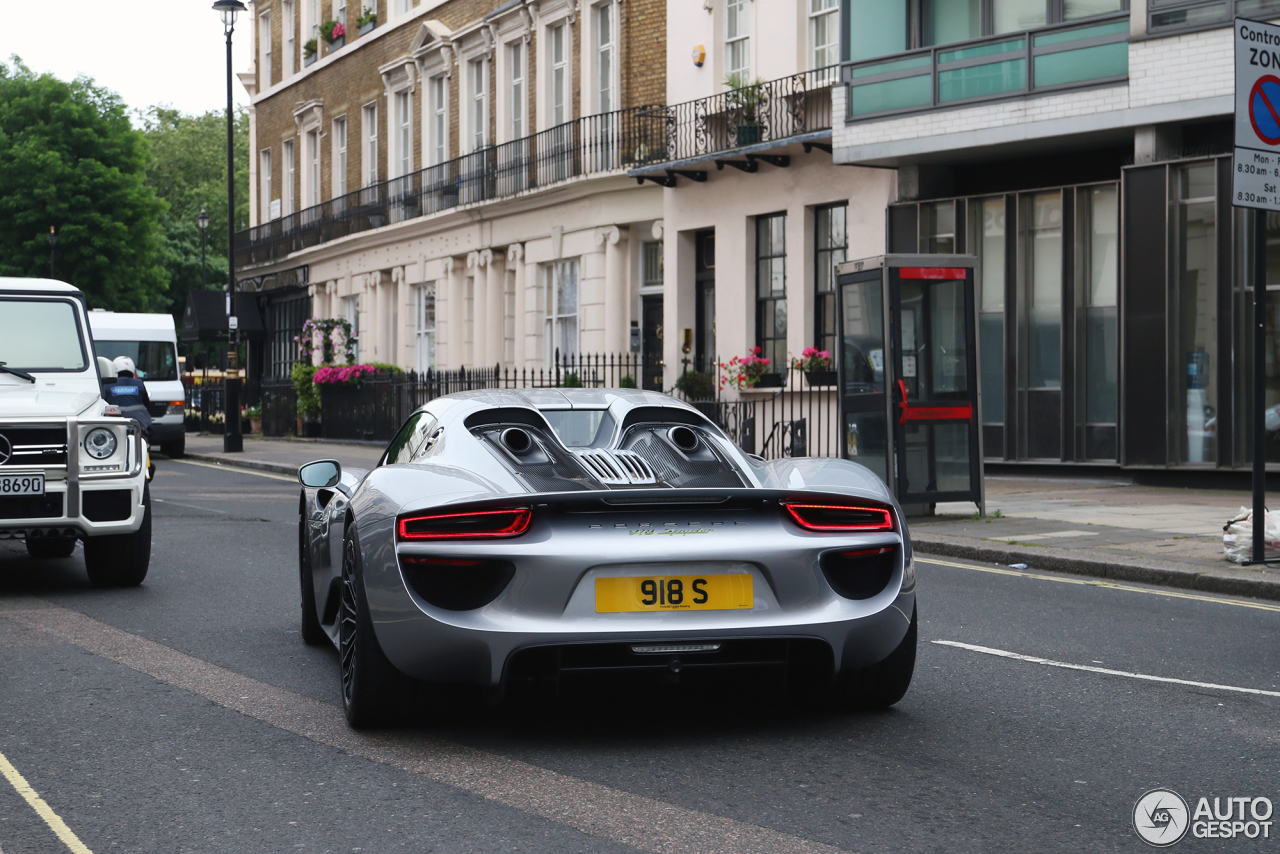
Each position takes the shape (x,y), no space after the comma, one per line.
(40,335)
(576,428)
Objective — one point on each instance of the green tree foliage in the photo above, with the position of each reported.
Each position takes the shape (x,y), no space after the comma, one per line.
(187,168)
(72,160)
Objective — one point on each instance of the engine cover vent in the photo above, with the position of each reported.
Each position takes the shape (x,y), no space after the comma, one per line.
(618,468)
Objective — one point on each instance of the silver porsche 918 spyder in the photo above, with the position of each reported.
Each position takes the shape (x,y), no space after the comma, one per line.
(534,536)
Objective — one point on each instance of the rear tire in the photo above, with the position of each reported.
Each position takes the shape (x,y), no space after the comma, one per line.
(373,691)
(121,560)
(51,547)
(175,449)
(880,685)
(312,631)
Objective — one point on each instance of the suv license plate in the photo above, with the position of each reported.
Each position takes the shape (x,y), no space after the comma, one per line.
(674,593)
(22,484)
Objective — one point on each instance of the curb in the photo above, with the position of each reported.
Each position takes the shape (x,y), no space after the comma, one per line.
(1257,584)
(256,465)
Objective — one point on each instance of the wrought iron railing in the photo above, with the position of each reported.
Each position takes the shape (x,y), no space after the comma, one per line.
(764,112)
(1059,57)
(590,145)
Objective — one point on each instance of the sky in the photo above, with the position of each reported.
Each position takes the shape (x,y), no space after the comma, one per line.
(176,55)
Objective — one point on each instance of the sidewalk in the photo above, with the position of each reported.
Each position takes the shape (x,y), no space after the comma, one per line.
(1105,528)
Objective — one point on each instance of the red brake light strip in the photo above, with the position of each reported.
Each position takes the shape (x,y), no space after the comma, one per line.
(506,522)
(885,524)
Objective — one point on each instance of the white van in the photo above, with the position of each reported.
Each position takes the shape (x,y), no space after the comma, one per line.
(152,342)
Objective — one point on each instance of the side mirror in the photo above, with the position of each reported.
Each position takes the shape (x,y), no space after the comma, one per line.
(321,474)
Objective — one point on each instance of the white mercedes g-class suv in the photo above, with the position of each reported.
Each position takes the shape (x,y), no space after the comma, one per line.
(70,467)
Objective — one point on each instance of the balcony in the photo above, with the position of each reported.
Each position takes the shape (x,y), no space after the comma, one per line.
(1046,59)
(591,145)
(750,121)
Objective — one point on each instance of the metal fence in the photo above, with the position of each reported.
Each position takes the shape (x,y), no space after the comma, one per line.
(768,111)
(587,145)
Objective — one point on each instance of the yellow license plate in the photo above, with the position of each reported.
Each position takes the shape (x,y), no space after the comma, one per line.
(674,593)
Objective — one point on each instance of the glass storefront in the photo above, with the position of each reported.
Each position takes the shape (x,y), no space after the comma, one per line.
(1195,327)
(1098,319)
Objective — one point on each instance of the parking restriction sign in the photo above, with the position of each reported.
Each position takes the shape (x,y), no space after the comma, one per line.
(1257,162)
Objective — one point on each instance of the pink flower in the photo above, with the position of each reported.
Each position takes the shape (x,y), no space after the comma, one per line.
(339,31)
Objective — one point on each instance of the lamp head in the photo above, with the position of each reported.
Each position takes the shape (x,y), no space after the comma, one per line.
(202,219)
(229,9)
(53,235)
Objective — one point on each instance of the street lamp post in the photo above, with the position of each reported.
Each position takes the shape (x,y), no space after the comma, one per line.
(203,221)
(232,440)
(53,241)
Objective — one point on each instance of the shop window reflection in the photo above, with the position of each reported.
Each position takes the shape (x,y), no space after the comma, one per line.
(1195,339)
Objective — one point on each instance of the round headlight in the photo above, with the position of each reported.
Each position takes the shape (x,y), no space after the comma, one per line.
(100,443)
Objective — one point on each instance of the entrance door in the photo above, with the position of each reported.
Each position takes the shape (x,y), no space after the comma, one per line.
(934,385)
(651,342)
(704,353)
(864,405)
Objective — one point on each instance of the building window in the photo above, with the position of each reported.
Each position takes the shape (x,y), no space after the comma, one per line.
(439,119)
(313,169)
(987,243)
(403,7)
(1097,289)
(1040,333)
(559,75)
(370,131)
(340,157)
(351,311)
(1195,321)
(340,12)
(737,39)
(290,32)
(824,33)
(478,73)
(938,227)
(562,310)
(290,175)
(264,50)
(285,322)
(832,241)
(264,186)
(771,289)
(604,58)
(652,259)
(515,62)
(425,326)
(1169,15)
(404,134)
(313,21)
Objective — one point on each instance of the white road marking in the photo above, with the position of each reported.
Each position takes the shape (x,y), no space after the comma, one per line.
(37,803)
(237,470)
(591,808)
(1048,662)
(1110,585)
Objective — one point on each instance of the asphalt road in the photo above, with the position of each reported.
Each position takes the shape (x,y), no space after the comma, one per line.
(187,715)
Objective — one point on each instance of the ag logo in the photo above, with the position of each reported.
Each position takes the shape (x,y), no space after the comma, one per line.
(1161,817)
(6,449)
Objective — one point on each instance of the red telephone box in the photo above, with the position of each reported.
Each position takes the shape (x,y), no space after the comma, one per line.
(907,358)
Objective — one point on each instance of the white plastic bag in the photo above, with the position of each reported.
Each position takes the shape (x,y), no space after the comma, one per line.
(1237,542)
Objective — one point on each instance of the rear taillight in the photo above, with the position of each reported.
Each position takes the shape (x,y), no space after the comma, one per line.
(840,518)
(471,525)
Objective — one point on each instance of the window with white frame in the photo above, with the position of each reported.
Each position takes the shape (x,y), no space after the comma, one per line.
(402,7)
(559,82)
(425,326)
(290,37)
(264,50)
(351,311)
(340,156)
(369,128)
(313,21)
(562,309)
(264,185)
(340,12)
(439,90)
(824,33)
(404,133)
(737,39)
(312,196)
(605,48)
(478,73)
(515,65)
(290,175)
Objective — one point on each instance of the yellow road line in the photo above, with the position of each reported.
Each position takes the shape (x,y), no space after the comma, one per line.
(1111,585)
(237,470)
(37,803)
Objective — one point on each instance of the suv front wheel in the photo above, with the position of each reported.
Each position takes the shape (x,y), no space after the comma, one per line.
(121,560)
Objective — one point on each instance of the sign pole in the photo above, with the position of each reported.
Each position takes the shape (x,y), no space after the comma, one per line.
(1259,385)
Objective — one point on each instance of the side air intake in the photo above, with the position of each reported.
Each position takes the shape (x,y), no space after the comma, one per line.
(618,468)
